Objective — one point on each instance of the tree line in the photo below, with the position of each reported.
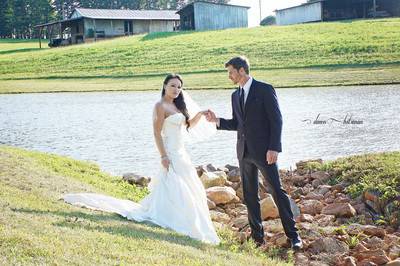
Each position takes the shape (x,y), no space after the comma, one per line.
(18,17)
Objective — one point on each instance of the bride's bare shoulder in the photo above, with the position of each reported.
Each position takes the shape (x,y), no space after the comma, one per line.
(159,107)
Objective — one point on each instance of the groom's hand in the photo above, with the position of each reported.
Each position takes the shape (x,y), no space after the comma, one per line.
(210,116)
(271,157)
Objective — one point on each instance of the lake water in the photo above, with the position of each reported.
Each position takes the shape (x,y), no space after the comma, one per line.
(114,129)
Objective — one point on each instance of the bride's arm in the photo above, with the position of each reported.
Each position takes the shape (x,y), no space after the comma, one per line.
(158,121)
(193,122)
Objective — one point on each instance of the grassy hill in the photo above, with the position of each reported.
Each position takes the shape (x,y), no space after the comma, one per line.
(36,228)
(348,52)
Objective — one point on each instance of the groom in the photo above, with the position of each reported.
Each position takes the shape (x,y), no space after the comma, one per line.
(257,119)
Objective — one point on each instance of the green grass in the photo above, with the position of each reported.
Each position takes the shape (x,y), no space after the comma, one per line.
(36,227)
(369,172)
(14,46)
(317,54)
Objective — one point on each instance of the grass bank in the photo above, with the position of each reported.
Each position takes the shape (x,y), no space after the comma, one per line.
(36,227)
(318,54)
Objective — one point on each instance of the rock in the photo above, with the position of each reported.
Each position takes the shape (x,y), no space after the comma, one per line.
(239,192)
(240,222)
(309,232)
(304,217)
(280,240)
(360,208)
(211,204)
(268,208)
(393,263)
(323,189)
(312,207)
(273,226)
(295,209)
(329,245)
(373,231)
(231,167)
(318,263)
(234,175)
(316,183)
(135,179)
(298,180)
(373,243)
(325,220)
(213,179)
(366,262)
(339,210)
(297,193)
(371,198)
(314,196)
(324,259)
(235,185)
(394,252)
(211,168)
(219,217)
(376,256)
(347,261)
(221,195)
(338,187)
(359,248)
(300,259)
(321,176)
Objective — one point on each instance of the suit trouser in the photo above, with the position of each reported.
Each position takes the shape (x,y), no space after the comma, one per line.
(249,174)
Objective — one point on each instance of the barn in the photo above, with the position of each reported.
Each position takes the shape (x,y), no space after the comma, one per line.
(87,25)
(331,10)
(201,15)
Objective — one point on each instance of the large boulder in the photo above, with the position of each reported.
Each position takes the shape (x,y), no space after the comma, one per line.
(213,179)
(240,221)
(339,210)
(328,245)
(221,195)
(219,217)
(234,175)
(321,176)
(312,207)
(377,256)
(268,208)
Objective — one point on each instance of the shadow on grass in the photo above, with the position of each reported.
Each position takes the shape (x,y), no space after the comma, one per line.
(81,220)
(19,50)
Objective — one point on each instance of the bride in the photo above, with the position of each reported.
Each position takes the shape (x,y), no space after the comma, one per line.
(177,198)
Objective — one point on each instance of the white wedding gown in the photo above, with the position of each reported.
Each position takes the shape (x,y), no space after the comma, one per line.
(177,198)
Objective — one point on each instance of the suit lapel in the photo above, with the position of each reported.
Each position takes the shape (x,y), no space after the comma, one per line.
(250,97)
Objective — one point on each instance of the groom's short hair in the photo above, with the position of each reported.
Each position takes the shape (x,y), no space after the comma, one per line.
(239,62)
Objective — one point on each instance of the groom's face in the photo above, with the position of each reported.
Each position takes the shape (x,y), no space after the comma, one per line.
(233,74)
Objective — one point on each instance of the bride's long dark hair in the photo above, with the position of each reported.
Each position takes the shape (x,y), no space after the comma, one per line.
(178,101)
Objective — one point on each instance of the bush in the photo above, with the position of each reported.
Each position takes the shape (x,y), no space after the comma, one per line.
(270,20)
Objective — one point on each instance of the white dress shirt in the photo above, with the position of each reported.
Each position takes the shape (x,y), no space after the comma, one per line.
(246,88)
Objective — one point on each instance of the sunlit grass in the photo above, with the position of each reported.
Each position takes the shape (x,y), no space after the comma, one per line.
(36,227)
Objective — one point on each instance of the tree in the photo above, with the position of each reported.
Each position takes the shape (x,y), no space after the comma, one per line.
(270,20)
(6,17)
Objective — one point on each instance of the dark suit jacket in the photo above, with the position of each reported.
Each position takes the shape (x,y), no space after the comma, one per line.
(259,128)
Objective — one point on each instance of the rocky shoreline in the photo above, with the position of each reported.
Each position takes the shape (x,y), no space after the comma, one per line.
(336,229)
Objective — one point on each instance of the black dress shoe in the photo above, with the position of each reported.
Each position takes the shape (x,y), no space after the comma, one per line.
(297,243)
(259,243)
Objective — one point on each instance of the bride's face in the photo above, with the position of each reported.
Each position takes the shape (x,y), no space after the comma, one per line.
(173,88)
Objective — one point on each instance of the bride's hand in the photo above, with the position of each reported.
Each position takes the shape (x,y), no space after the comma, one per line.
(165,162)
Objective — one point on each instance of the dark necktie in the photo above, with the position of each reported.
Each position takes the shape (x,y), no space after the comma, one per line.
(242,99)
